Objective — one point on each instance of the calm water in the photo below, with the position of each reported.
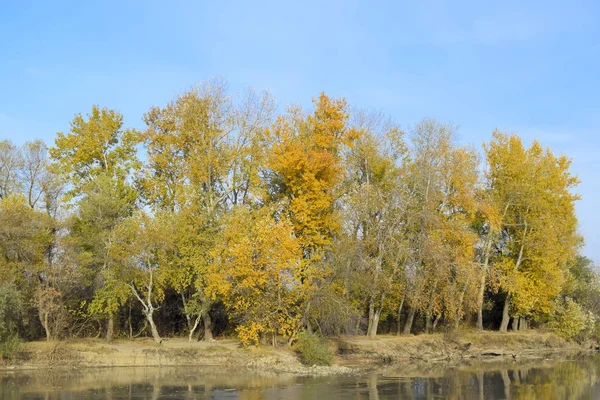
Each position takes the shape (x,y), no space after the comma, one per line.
(567,379)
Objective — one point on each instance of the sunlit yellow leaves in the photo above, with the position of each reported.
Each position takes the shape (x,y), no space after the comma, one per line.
(95,145)
(187,145)
(140,253)
(531,192)
(305,158)
(254,271)
(25,235)
(314,220)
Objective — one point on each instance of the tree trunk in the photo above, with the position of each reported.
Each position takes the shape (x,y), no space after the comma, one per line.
(484,272)
(208,335)
(205,316)
(429,311)
(505,316)
(523,324)
(110,328)
(193,328)
(515,323)
(371,316)
(306,318)
(428,323)
(155,334)
(459,312)
(399,328)
(129,323)
(480,295)
(428,315)
(46,327)
(374,323)
(188,317)
(437,320)
(409,321)
(148,307)
(374,314)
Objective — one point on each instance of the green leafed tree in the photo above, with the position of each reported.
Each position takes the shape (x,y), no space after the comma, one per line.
(97,157)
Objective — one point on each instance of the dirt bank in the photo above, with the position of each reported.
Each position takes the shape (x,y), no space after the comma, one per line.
(455,349)
(353,354)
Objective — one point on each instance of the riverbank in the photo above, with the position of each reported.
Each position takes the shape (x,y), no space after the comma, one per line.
(352,353)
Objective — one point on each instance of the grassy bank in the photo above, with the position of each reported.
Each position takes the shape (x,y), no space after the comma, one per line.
(351,354)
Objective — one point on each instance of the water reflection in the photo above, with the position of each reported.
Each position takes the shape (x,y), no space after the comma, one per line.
(572,379)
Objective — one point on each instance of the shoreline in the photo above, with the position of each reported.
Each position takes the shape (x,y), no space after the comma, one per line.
(352,354)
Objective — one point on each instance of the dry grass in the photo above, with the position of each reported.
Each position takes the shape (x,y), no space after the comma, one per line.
(349,350)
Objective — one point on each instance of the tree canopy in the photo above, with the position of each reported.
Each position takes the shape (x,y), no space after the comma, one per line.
(223,217)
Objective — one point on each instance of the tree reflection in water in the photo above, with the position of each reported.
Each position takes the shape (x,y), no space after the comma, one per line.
(569,379)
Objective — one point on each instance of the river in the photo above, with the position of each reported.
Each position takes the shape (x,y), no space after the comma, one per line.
(575,377)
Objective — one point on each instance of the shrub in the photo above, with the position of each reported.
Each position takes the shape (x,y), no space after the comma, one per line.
(10,310)
(312,350)
(11,348)
(570,321)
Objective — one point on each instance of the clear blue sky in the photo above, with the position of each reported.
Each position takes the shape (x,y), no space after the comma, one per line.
(531,67)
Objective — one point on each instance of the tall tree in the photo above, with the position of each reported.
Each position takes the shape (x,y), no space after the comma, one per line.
(376,211)
(10,163)
(25,237)
(532,189)
(34,173)
(256,271)
(202,159)
(441,179)
(140,251)
(94,146)
(304,169)
(97,157)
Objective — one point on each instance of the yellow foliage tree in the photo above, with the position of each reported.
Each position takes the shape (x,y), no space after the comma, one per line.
(255,270)
(204,153)
(442,178)
(140,253)
(304,164)
(375,213)
(532,192)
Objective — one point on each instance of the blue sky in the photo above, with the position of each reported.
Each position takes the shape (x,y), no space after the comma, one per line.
(528,67)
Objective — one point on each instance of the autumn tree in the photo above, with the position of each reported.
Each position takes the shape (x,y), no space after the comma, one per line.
(10,163)
(531,189)
(139,252)
(441,179)
(104,204)
(97,157)
(203,151)
(95,145)
(33,172)
(323,219)
(25,237)
(256,268)
(304,170)
(375,212)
